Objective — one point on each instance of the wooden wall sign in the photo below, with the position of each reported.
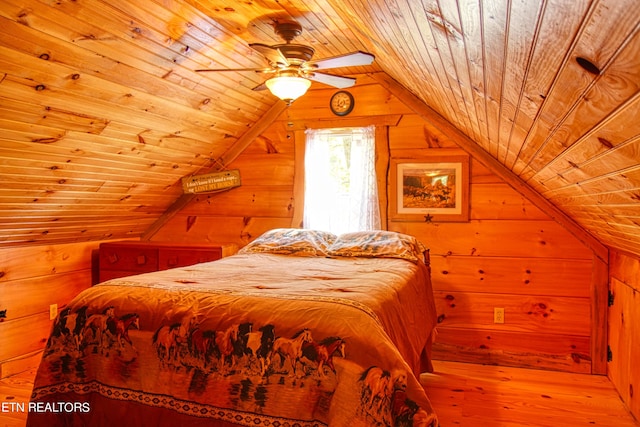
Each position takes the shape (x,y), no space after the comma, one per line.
(211,182)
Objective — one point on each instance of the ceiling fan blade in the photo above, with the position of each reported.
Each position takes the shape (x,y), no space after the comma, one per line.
(257,70)
(347,60)
(273,55)
(261,86)
(340,82)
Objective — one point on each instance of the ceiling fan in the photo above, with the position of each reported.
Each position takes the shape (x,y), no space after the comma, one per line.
(294,68)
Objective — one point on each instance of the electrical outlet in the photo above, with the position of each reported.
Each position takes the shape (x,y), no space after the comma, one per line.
(498,315)
(53,311)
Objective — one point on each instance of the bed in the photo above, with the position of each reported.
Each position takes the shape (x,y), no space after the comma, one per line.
(300,328)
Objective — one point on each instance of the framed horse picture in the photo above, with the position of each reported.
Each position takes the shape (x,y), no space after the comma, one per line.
(432,188)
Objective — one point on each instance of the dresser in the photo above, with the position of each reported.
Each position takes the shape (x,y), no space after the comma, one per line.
(126,258)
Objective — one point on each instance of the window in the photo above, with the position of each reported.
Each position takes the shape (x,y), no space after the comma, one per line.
(341,191)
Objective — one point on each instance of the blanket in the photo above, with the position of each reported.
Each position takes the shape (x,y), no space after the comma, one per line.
(253,339)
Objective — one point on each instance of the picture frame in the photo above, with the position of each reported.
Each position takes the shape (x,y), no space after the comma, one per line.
(432,188)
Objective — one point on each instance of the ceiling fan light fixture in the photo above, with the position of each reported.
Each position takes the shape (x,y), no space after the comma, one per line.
(288,88)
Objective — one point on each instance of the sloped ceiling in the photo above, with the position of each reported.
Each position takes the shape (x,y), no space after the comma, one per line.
(101,112)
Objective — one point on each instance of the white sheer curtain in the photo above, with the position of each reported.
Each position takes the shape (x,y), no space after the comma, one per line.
(341,191)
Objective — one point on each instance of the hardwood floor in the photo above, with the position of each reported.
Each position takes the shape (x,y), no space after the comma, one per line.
(467,395)
(14,391)
(476,395)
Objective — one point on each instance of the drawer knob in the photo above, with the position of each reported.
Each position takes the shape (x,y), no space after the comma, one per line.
(141,260)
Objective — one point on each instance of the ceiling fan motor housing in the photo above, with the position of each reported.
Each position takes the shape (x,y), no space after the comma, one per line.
(296,54)
(291,61)
(288,30)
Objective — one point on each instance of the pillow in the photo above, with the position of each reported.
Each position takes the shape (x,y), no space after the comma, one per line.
(291,241)
(378,243)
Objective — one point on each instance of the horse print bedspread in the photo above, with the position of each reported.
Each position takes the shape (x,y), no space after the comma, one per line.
(249,340)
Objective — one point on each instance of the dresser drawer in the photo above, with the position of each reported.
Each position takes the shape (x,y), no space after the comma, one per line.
(126,258)
(137,259)
(172,258)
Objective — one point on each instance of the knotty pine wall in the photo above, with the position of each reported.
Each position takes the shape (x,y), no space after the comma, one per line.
(510,254)
(31,279)
(624,328)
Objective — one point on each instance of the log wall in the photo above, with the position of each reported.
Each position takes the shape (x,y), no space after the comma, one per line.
(510,254)
(624,328)
(31,279)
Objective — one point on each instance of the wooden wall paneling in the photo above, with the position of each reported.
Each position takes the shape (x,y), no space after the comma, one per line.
(522,27)
(429,65)
(413,132)
(298,180)
(26,262)
(221,163)
(471,54)
(31,279)
(513,276)
(276,139)
(625,243)
(20,364)
(531,350)
(118,228)
(25,335)
(510,255)
(79,179)
(626,268)
(24,113)
(460,77)
(252,133)
(371,101)
(500,201)
(175,150)
(375,19)
(344,122)
(573,86)
(545,290)
(553,36)
(622,159)
(119,61)
(27,302)
(599,311)
(382,168)
(279,167)
(534,72)
(623,342)
(214,229)
(69,198)
(619,74)
(465,143)
(246,200)
(442,59)
(517,238)
(494,20)
(265,200)
(624,328)
(126,70)
(33,295)
(58,161)
(481,174)
(588,153)
(627,178)
(105,103)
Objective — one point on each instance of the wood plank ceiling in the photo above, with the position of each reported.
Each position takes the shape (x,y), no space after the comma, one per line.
(101,112)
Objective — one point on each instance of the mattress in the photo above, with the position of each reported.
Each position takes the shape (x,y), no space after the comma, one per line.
(258,338)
